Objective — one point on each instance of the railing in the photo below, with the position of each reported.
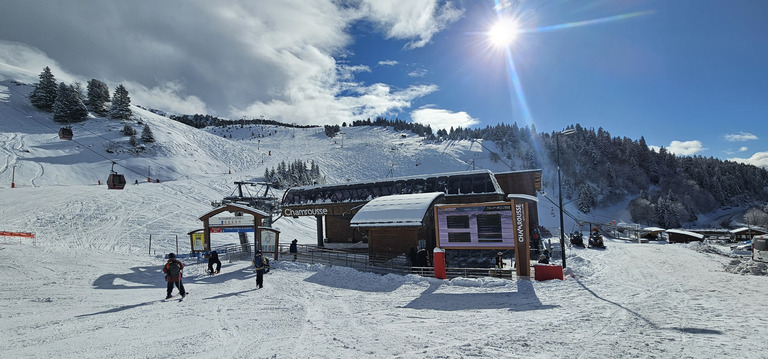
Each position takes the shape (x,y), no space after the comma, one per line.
(381,263)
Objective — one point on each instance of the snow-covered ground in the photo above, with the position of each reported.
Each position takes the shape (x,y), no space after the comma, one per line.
(89,286)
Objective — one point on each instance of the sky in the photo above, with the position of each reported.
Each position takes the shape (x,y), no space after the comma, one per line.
(686,75)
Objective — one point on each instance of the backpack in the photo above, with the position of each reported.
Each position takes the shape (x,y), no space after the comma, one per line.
(174,269)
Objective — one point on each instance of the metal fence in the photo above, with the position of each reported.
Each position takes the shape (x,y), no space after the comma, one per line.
(362,260)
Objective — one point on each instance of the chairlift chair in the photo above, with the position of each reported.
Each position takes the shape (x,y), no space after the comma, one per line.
(65,133)
(115,180)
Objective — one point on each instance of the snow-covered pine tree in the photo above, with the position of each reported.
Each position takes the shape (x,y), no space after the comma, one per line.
(128,130)
(586,198)
(147,135)
(68,106)
(44,95)
(98,96)
(121,104)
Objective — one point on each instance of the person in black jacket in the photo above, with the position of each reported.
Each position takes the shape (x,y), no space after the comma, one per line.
(214,259)
(294,249)
(258,264)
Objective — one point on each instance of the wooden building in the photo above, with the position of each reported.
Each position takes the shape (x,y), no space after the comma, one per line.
(395,224)
(334,206)
(746,234)
(680,236)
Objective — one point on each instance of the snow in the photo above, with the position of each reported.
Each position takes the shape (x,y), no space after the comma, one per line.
(90,286)
(405,210)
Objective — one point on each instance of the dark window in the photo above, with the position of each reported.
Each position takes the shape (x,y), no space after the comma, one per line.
(457,221)
(488,226)
(459,237)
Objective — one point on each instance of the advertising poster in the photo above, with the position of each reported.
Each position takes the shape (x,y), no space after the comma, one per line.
(475,226)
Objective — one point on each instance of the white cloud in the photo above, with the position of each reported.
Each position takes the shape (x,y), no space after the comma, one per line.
(414,20)
(330,107)
(759,159)
(168,96)
(685,148)
(277,59)
(442,119)
(417,73)
(681,148)
(741,136)
(388,63)
(743,149)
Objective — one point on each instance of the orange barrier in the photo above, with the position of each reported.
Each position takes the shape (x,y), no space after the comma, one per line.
(438,258)
(547,271)
(17,234)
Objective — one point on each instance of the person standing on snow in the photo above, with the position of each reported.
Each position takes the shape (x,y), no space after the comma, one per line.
(172,270)
(294,248)
(258,264)
(214,259)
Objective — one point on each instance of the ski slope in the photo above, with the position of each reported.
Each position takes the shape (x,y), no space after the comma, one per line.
(90,285)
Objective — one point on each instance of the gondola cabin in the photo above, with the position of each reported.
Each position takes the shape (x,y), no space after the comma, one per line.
(65,133)
(115,180)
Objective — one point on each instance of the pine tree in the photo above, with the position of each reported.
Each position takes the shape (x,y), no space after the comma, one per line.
(146,135)
(98,96)
(121,104)
(68,106)
(128,130)
(44,95)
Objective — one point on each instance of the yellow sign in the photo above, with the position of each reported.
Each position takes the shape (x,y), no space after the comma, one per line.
(198,241)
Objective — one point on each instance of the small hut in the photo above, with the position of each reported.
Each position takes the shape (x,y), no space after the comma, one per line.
(680,236)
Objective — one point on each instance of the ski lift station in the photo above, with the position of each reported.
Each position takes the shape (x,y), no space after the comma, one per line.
(460,210)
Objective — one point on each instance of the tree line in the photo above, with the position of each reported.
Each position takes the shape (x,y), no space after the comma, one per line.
(600,170)
(296,173)
(69,105)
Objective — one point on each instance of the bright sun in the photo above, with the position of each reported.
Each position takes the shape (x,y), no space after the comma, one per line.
(503,32)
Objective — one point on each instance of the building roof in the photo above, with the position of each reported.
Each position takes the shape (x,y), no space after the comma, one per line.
(747,229)
(451,184)
(404,210)
(686,233)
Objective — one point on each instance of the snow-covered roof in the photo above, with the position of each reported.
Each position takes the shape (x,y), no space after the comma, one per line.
(747,229)
(686,233)
(654,229)
(404,210)
(523,196)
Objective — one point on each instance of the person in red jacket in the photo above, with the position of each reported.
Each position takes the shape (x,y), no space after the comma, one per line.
(172,270)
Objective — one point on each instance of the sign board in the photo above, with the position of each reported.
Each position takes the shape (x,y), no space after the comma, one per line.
(475,226)
(232,221)
(289,212)
(198,241)
(230,229)
(268,241)
(522,256)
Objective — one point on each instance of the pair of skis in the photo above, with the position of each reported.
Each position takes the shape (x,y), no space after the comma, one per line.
(174,296)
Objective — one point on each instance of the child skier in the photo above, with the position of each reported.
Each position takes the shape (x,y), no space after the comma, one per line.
(172,270)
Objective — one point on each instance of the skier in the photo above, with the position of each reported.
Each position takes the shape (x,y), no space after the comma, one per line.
(294,249)
(214,259)
(258,264)
(172,270)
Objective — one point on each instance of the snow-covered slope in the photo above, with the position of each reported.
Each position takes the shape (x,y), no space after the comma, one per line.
(89,285)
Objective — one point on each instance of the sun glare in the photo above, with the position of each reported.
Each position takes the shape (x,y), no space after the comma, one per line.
(503,32)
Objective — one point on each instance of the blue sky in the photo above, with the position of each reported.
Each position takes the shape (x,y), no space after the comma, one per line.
(689,75)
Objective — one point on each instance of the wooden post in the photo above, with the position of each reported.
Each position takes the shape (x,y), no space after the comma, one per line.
(150,244)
